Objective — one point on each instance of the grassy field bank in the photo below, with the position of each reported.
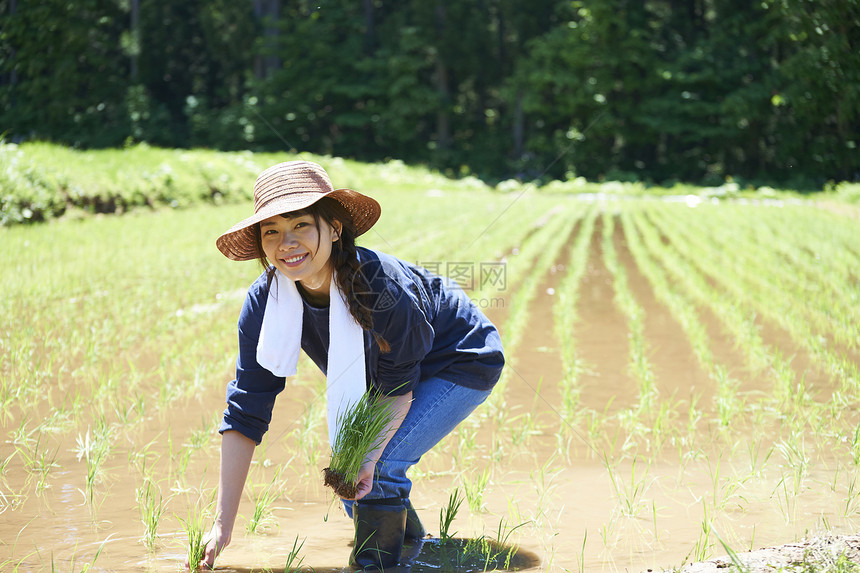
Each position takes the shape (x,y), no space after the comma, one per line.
(682,373)
(41,181)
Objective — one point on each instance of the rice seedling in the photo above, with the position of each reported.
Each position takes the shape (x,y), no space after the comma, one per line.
(702,549)
(140,458)
(262,517)
(151,506)
(854,445)
(723,490)
(194,526)
(360,431)
(39,460)
(94,448)
(466,442)
(654,520)
(580,562)
(628,492)
(307,435)
(795,454)
(607,532)
(294,562)
(851,505)
(756,464)
(524,426)
(4,464)
(544,481)
(503,535)
(447,515)
(786,500)
(474,490)
(200,437)
(55,568)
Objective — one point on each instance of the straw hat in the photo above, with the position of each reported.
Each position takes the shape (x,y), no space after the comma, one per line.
(288,187)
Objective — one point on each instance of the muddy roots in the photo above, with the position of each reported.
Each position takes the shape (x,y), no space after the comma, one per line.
(336,481)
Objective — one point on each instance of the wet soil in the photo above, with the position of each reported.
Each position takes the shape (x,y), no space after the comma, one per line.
(339,485)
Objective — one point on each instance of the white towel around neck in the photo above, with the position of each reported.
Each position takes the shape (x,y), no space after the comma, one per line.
(281,340)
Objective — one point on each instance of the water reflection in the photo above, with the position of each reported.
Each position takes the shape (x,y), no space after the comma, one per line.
(434,555)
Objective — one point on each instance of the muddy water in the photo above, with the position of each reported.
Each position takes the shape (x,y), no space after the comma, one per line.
(602,337)
(554,482)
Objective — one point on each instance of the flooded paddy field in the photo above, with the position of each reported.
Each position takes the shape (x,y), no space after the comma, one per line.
(680,379)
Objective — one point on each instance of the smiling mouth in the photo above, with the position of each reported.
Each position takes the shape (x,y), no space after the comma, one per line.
(294,260)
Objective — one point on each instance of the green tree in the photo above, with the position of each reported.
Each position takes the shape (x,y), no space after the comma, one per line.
(195,59)
(65,73)
(818,93)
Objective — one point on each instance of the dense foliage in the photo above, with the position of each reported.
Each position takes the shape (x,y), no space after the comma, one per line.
(660,90)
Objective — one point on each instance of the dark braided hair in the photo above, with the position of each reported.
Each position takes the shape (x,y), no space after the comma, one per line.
(344,261)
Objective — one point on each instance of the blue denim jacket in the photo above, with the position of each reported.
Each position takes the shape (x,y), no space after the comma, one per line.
(431,325)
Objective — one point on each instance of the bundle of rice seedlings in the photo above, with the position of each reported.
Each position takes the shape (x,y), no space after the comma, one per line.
(359,432)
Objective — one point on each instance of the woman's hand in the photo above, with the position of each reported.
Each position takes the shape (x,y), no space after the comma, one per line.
(364,480)
(216,540)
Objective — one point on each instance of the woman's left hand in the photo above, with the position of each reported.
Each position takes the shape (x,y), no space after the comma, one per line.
(364,481)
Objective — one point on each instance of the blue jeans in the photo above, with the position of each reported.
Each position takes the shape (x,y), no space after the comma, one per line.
(438,406)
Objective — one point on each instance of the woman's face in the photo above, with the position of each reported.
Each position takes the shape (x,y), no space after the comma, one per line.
(300,249)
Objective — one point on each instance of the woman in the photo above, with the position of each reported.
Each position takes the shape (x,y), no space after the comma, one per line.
(370,322)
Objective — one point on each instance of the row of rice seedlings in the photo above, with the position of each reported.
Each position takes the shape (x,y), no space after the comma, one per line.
(725,489)
(534,260)
(795,398)
(753,291)
(821,237)
(504,232)
(737,319)
(639,364)
(464,244)
(566,317)
(828,305)
(529,266)
(520,279)
(816,258)
(729,405)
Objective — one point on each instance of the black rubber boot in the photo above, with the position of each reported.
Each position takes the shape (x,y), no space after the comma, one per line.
(380,525)
(414,528)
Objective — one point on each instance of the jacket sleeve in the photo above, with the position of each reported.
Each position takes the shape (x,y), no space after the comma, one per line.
(251,395)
